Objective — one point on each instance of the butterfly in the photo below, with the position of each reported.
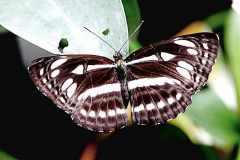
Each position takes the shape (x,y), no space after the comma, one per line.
(157,81)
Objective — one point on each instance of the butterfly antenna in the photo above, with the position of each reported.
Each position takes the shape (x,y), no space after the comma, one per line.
(100,38)
(132,34)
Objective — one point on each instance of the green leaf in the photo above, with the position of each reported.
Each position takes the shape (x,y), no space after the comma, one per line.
(132,13)
(208,112)
(45,23)
(217,20)
(134,45)
(208,121)
(5,156)
(232,44)
(209,153)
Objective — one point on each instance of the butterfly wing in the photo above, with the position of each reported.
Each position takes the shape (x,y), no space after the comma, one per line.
(85,86)
(163,76)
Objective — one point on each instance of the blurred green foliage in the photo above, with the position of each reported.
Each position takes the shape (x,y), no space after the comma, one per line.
(209,112)
(232,44)
(5,156)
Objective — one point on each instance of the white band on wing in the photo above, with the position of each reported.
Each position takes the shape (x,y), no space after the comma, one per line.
(99,66)
(145,82)
(149,58)
(103,89)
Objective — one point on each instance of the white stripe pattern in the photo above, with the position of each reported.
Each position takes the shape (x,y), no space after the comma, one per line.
(171,100)
(78,69)
(185,65)
(185,43)
(150,106)
(178,96)
(41,71)
(167,56)
(55,73)
(161,105)
(102,114)
(67,83)
(106,88)
(205,45)
(99,66)
(111,112)
(71,89)
(58,63)
(183,72)
(83,112)
(139,108)
(92,114)
(192,51)
(120,111)
(145,82)
(149,58)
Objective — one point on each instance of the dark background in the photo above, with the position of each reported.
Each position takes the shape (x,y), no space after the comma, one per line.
(33,128)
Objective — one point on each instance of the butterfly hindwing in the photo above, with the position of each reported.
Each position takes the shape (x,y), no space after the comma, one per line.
(163,76)
(84,86)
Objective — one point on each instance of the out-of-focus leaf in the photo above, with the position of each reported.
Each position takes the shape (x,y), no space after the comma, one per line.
(238,154)
(220,75)
(209,122)
(132,13)
(217,20)
(232,43)
(233,155)
(236,6)
(5,156)
(45,23)
(209,153)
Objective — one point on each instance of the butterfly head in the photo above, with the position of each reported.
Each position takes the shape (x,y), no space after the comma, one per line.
(118,59)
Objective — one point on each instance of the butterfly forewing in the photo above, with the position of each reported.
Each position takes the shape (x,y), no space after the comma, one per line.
(85,86)
(163,76)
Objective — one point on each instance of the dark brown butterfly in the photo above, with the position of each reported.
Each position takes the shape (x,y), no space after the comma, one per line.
(157,80)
